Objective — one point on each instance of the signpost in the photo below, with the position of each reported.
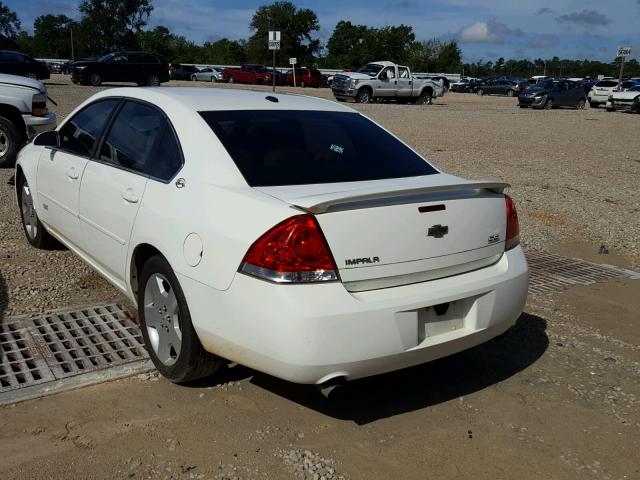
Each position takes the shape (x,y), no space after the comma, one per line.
(622,53)
(274,44)
(292,62)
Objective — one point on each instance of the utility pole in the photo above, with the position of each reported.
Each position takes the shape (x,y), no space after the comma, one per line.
(622,53)
(72,53)
(273,77)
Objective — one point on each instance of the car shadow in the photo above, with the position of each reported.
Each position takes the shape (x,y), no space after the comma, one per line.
(367,400)
(370,399)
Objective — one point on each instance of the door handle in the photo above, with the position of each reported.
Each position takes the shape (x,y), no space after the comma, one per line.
(72,173)
(129,196)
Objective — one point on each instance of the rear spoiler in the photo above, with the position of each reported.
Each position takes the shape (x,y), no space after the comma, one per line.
(394,197)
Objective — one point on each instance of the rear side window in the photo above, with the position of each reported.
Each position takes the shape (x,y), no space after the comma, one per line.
(141,139)
(79,135)
(146,58)
(316,73)
(282,147)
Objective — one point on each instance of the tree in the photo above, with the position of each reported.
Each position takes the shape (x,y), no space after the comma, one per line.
(9,26)
(52,36)
(296,27)
(346,47)
(109,25)
(160,41)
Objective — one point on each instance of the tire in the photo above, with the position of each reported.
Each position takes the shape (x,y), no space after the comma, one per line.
(425,98)
(548,105)
(153,81)
(363,96)
(231,80)
(33,229)
(194,78)
(523,106)
(10,143)
(480,92)
(165,322)
(510,93)
(95,79)
(581,104)
(593,104)
(302,84)
(212,79)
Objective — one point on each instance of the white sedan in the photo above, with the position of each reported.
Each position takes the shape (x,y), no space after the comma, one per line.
(286,233)
(209,74)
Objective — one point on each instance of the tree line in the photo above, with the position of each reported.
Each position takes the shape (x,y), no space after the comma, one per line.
(108,25)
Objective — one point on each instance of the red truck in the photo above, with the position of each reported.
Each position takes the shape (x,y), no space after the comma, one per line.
(249,73)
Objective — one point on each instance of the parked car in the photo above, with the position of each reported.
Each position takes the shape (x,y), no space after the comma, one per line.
(384,80)
(553,93)
(305,77)
(54,67)
(179,71)
(24,113)
(249,73)
(537,79)
(627,100)
(136,67)
(600,92)
(627,85)
(459,86)
(209,74)
(323,231)
(498,87)
(16,63)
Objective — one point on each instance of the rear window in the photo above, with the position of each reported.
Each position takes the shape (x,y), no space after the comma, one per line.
(607,83)
(282,147)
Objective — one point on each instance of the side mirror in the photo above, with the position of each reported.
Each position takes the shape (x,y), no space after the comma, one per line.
(48,139)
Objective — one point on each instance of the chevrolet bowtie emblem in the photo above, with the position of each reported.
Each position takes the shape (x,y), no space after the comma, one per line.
(438,231)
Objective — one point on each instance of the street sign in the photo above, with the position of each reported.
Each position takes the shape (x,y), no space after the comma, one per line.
(293,61)
(274,40)
(624,51)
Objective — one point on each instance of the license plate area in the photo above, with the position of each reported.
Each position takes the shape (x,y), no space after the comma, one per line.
(441,319)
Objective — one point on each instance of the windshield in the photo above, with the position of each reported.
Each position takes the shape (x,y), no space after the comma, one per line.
(635,89)
(284,147)
(543,85)
(371,69)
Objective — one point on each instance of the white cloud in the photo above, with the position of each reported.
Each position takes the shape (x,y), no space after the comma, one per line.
(486,32)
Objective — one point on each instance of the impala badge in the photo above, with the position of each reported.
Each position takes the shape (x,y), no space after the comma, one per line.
(438,231)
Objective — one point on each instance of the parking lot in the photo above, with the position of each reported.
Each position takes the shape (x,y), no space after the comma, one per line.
(558,397)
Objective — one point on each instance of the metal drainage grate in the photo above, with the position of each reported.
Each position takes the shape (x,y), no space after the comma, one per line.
(67,348)
(549,273)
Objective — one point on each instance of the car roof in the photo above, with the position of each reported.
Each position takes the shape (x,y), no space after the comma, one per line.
(207,99)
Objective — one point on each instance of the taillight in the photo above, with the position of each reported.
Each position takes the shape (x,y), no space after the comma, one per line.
(294,251)
(513,228)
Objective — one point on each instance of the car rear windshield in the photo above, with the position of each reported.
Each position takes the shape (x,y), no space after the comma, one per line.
(607,83)
(286,147)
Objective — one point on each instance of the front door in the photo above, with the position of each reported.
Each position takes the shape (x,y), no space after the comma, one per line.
(60,169)
(113,186)
(387,83)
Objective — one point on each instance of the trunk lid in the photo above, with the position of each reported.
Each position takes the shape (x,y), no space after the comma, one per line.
(386,233)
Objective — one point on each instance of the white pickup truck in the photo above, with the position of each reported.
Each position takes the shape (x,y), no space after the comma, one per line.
(23,114)
(385,80)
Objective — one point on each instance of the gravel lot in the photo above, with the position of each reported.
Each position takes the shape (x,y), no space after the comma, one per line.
(557,398)
(574,175)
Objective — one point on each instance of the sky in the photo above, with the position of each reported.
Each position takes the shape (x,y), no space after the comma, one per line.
(485,29)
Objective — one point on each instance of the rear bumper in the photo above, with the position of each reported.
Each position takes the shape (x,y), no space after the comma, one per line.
(36,125)
(312,333)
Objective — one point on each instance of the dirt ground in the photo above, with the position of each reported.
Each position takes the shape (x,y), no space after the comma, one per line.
(558,397)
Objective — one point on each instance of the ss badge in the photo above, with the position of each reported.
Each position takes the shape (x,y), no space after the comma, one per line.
(493,238)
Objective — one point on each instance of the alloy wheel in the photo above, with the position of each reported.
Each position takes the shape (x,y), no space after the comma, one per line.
(162,319)
(29,217)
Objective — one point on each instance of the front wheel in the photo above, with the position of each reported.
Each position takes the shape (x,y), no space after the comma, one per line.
(193,78)
(363,96)
(581,104)
(10,142)
(231,80)
(548,105)
(212,79)
(480,92)
(165,321)
(33,229)
(593,104)
(95,79)
(302,85)
(510,93)
(425,98)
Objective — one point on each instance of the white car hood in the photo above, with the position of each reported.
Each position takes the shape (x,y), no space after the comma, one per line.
(625,95)
(19,81)
(356,75)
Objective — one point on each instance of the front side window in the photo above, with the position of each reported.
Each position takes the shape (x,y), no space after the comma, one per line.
(142,140)
(80,134)
(285,147)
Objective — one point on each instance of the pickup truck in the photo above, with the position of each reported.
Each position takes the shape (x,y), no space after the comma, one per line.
(23,114)
(384,80)
(249,73)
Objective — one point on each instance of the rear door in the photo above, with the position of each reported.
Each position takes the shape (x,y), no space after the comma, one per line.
(60,169)
(405,83)
(114,183)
